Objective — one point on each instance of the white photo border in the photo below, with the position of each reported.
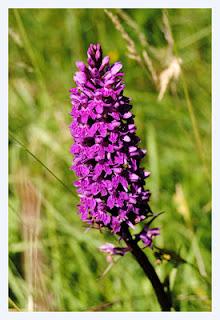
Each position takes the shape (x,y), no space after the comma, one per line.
(215,6)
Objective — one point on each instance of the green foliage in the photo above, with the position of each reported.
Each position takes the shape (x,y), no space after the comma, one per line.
(43,46)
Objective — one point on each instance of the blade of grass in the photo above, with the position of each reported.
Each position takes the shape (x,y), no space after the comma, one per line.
(195,37)
(29,49)
(154,161)
(195,127)
(39,161)
(13,304)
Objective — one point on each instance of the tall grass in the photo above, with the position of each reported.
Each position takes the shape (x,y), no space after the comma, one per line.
(72,274)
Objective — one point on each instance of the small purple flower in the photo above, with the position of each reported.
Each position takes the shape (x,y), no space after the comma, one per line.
(148,234)
(107,158)
(110,249)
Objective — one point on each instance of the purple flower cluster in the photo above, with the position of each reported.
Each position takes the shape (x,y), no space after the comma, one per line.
(106,153)
(110,249)
(147,235)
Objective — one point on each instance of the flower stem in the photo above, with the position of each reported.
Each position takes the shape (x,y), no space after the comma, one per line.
(163,297)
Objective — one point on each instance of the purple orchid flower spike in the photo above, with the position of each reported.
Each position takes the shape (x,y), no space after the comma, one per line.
(106,153)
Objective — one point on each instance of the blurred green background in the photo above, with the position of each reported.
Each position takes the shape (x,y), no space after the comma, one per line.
(54,264)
